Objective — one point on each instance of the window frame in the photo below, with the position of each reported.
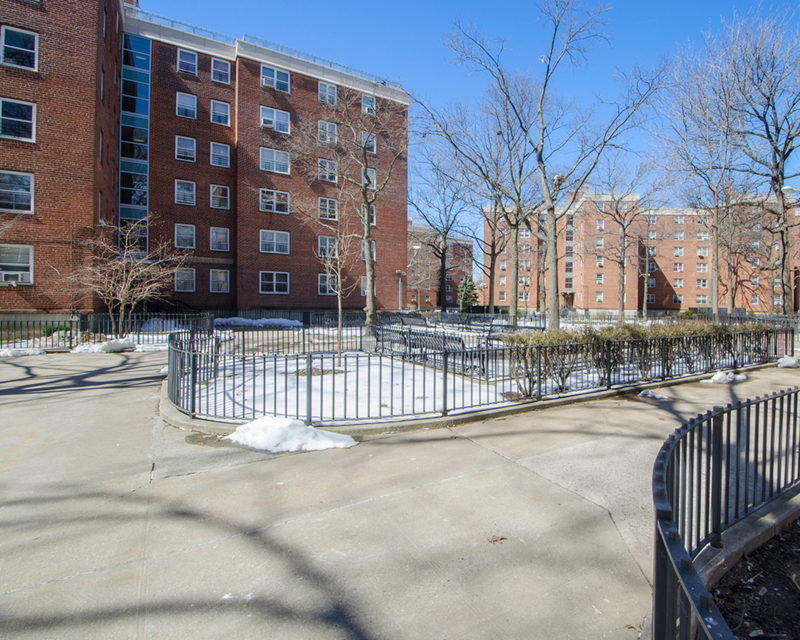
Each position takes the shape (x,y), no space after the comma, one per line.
(598,278)
(324,170)
(193,203)
(214,71)
(29,272)
(327,215)
(326,277)
(677,283)
(275,161)
(275,242)
(211,280)
(598,296)
(677,298)
(327,132)
(273,84)
(600,225)
(227,197)
(366,138)
(328,86)
(194,236)
(702,267)
(194,280)
(326,247)
(227,235)
(178,95)
(677,267)
(32,120)
(31,209)
(275,192)
(275,121)
(227,105)
(274,291)
(5,28)
(196,62)
(194,149)
(365,107)
(373,180)
(227,156)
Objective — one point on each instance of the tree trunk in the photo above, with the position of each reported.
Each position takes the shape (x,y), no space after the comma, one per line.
(372,305)
(513,255)
(715,263)
(553,319)
(621,276)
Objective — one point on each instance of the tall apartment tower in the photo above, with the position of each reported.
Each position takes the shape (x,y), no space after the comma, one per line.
(226,147)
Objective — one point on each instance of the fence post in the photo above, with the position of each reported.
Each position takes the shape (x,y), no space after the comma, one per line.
(716,477)
(608,364)
(663,358)
(193,376)
(444,382)
(308,386)
(538,372)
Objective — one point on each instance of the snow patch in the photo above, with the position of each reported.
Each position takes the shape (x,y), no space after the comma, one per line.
(110,346)
(282,435)
(721,377)
(788,362)
(280,323)
(151,347)
(655,396)
(164,371)
(13,353)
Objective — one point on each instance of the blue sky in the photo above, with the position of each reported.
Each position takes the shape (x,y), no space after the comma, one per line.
(403,41)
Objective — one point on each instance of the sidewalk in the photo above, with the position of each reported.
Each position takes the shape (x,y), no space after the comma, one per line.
(114,525)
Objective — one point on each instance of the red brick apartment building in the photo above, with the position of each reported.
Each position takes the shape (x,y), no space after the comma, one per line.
(667,263)
(422,277)
(113,115)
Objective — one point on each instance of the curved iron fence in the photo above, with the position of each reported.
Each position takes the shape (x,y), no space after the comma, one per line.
(408,373)
(711,473)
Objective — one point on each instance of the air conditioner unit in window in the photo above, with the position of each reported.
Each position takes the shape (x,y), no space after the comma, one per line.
(12,277)
(267,82)
(370,110)
(266,123)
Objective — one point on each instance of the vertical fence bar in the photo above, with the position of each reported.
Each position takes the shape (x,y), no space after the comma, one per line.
(444,382)
(716,477)
(308,388)
(538,372)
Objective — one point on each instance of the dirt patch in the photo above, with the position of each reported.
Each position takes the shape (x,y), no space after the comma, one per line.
(760,596)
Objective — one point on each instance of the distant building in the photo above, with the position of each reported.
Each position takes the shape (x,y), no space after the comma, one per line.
(424,263)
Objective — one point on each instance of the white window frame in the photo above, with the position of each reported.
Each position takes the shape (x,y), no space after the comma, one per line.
(598,278)
(369,141)
(501,297)
(326,246)
(372,217)
(651,298)
(186,227)
(754,299)
(678,235)
(369,174)
(368,104)
(326,132)
(227,281)
(702,283)
(194,149)
(652,267)
(190,68)
(32,121)
(599,243)
(702,252)
(223,232)
(324,206)
(214,72)
(677,298)
(702,267)
(270,79)
(193,192)
(227,197)
(30,210)
(601,225)
(701,298)
(10,275)
(276,239)
(754,281)
(599,261)
(677,252)
(183,270)
(227,105)
(3,45)
(502,281)
(274,291)
(677,283)
(178,106)
(363,251)
(323,279)
(227,155)
(651,235)
(271,195)
(677,267)
(651,283)
(279,158)
(598,296)
(524,233)
(324,93)
(276,120)
(702,236)
(324,169)
(677,219)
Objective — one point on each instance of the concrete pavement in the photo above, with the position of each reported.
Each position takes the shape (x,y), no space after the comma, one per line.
(115,525)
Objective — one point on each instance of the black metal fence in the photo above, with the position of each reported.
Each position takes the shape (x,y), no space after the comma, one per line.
(67,333)
(424,377)
(710,474)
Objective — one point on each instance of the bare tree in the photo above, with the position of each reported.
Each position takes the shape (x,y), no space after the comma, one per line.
(123,271)
(358,146)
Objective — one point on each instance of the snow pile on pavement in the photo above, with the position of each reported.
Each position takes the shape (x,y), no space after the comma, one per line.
(160,325)
(720,377)
(151,347)
(13,353)
(788,362)
(655,396)
(278,323)
(282,435)
(164,371)
(110,346)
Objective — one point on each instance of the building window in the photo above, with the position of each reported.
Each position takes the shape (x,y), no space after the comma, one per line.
(187,62)
(755,262)
(364,289)
(17,120)
(368,104)
(184,236)
(702,252)
(599,261)
(651,251)
(501,265)
(274,201)
(501,296)
(525,265)
(678,235)
(327,170)
(220,197)
(363,250)
(220,155)
(701,299)
(16,263)
(569,236)
(601,225)
(598,278)
(328,208)
(651,283)
(274,242)
(651,235)
(326,247)
(524,233)
(777,300)
(428,298)
(677,298)
(326,284)
(522,295)
(754,281)
(702,267)
(449,277)
(677,252)
(221,71)
(371,214)
(327,93)
(651,298)
(413,295)
(220,113)
(651,267)
(275,78)
(220,281)
(448,288)
(16,192)
(274,161)
(568,283)
(326,132)
(185,149)
(184,192)
(753,298)
(599,243)
(525,248)
(20,48)
(598,296)
(185,280)
(368,178)
(368,142)
(677,219)
(274,282)
(677,283)
(275,120)
(186,105)
(702,283)
(502,281)
(220,239)
(702,236)
(755,244)
(677,267)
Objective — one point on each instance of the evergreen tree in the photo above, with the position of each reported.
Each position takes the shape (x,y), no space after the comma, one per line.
(467,294)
